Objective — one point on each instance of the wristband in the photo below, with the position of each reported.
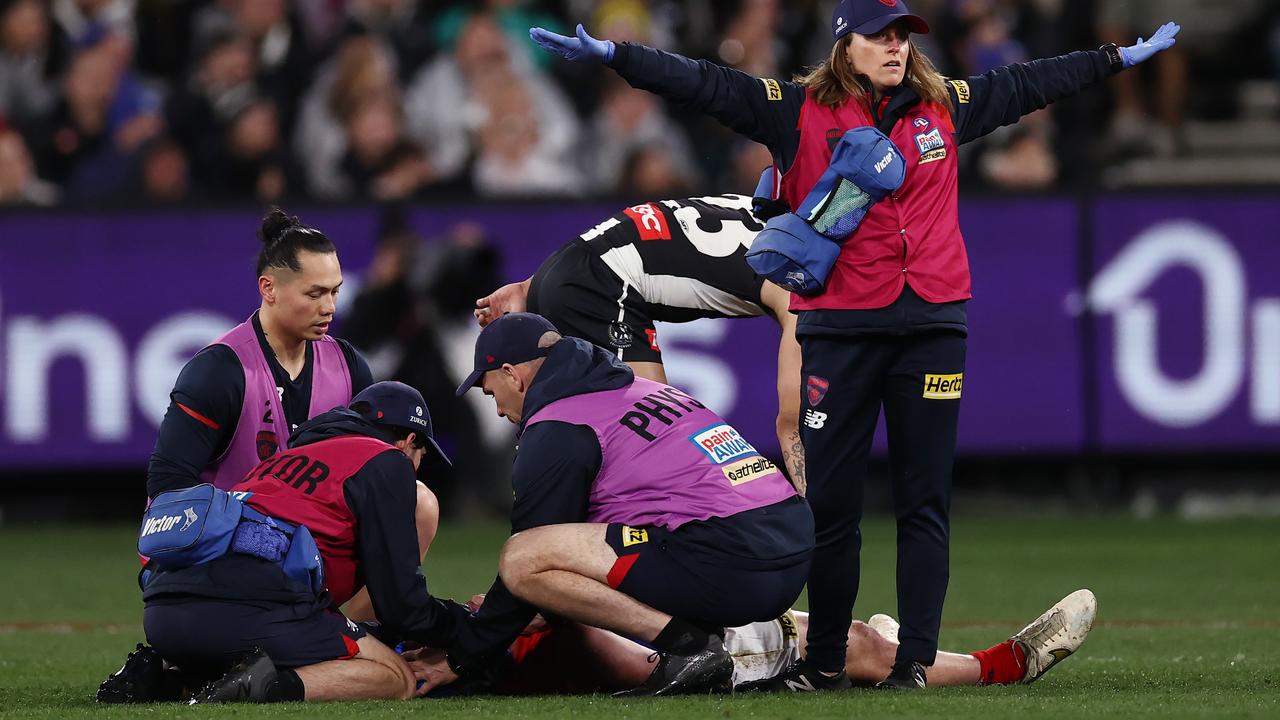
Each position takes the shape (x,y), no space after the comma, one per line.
(1114,58)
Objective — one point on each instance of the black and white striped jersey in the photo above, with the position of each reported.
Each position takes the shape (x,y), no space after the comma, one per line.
(686,258)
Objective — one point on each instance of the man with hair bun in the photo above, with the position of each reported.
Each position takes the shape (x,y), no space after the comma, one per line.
(239,399)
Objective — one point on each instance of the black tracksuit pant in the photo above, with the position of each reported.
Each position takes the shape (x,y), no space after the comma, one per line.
(917,379)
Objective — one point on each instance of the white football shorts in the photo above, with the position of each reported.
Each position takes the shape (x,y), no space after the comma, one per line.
(762,649)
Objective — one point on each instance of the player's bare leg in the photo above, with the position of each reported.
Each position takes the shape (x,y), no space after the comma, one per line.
(427,520)
(1023,658)
(618,662)
(377,673)
(565,569)
(870,656)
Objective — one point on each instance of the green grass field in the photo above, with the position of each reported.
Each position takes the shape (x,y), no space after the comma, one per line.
(1188,624)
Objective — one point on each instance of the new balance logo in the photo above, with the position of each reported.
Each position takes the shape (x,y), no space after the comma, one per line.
(800,684)
(191,516)
(815,419)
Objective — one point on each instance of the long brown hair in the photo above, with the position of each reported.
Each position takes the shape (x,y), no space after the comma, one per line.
(833,80)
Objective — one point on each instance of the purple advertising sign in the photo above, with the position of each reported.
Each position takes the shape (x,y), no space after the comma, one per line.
(1023,380)
(98,314)
(1188,335)
(1022,385)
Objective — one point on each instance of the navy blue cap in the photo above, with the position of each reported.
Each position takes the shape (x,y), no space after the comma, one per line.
(395,404)
(512,338)
(868,17)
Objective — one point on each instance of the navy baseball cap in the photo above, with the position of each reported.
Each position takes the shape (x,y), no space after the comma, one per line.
(395,404)
(868,17)
(512,338)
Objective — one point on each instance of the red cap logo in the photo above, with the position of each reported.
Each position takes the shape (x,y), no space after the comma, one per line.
(888,3)
(489,358)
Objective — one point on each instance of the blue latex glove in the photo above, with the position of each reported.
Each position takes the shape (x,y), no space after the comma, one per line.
(1164,39)
(582,47)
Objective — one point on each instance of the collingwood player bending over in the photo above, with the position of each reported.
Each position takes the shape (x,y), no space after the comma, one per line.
(671,260)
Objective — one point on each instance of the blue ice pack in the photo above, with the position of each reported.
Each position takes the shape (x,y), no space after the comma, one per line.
(182,528)
(865,167)
(789,253)
(797,250)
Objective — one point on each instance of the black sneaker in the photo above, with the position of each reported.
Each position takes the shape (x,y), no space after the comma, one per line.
(139,680)
(905,675)
(799,676)
(708,670)
(248,681)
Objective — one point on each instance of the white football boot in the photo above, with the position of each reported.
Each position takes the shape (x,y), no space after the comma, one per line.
(885,625)
(1060,631)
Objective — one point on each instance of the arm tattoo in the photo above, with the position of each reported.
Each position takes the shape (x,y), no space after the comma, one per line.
(793,458)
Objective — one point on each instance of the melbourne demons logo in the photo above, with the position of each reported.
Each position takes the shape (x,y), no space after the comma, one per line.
(267,444)
(817,389)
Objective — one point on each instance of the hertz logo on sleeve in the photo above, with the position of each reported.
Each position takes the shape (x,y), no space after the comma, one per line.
(943,387)
(962,90)
(772,89)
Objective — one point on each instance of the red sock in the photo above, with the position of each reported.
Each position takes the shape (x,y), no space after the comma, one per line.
(1001,664)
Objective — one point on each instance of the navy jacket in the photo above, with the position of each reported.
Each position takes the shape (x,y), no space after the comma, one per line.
(551,480)
(742,102)
(768,111)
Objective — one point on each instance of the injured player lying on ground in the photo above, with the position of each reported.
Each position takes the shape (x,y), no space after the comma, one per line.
(569,658)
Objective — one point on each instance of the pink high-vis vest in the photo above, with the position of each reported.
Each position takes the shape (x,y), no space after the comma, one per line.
(261,428)
(666,459)
(912,236)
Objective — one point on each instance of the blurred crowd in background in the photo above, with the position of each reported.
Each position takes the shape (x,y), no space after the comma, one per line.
(411,319)
(155,102)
